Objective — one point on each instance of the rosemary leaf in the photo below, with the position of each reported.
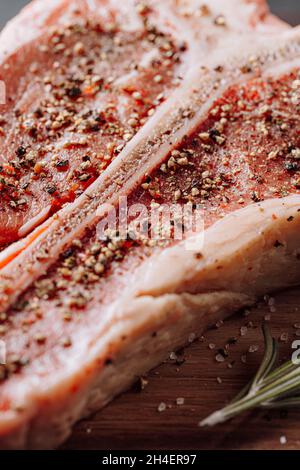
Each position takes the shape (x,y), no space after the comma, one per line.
(269,358)
(269,388)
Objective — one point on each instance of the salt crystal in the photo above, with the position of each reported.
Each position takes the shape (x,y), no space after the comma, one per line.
(192,337)
(243,330)
(180,401)
(161,407)
(283,440)
(220,358)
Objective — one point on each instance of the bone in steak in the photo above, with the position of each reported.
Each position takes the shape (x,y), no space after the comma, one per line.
(96,314)
(206,31)
(82,78)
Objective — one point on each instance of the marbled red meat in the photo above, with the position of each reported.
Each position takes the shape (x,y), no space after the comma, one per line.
(82,317)
(81,79)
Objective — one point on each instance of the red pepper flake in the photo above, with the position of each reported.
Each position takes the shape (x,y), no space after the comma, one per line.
(90,90)
(5,404)
(9,169)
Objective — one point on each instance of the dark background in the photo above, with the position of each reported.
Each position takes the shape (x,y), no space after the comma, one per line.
(289,10)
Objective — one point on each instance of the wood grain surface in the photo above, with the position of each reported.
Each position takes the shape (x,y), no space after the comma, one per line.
(132,421)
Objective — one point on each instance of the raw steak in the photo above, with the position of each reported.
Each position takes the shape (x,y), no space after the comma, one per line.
(82,77)
(95,314)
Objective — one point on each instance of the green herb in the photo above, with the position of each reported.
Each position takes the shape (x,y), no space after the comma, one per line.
(270,388)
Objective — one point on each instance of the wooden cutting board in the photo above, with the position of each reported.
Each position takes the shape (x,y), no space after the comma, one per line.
(133,421)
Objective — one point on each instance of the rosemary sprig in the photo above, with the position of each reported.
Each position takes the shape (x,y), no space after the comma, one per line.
(270,388)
